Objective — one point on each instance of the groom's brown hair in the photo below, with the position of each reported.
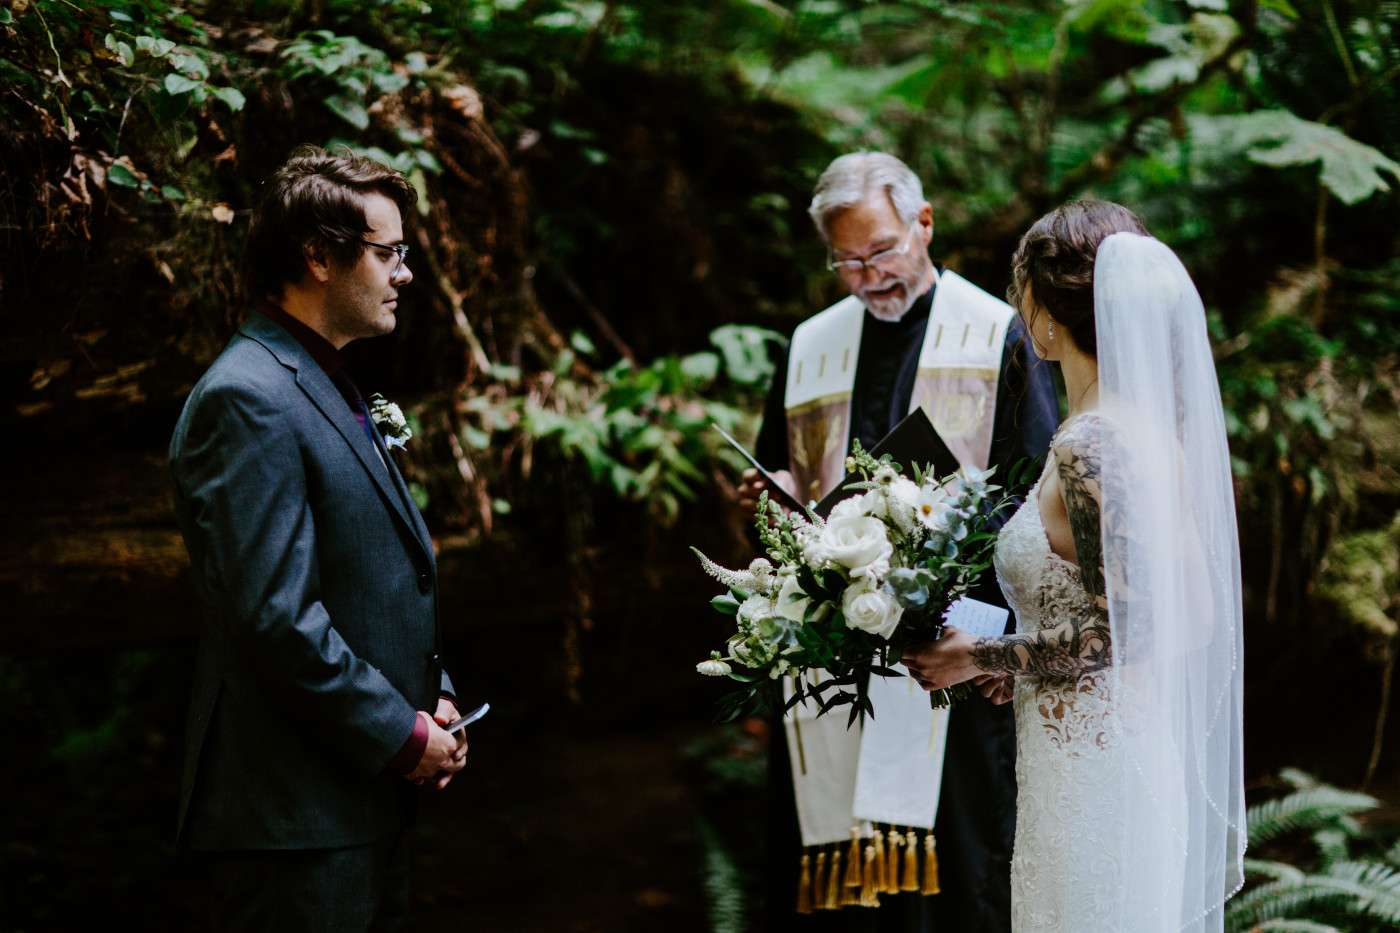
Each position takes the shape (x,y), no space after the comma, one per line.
(1056,259)
(315,202)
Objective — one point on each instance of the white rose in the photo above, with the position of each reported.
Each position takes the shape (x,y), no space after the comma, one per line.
(787,607)
(858,543)
(871,611)
(850,507)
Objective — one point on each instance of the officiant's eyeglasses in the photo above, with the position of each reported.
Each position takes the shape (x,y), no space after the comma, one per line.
(885,260)
(401,251)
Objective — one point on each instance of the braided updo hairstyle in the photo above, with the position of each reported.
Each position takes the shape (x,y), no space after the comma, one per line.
(1055,259)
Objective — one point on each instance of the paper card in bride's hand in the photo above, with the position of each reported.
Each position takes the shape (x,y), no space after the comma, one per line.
(977,618)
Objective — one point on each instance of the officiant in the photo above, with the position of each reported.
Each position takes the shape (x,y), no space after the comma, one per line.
(910,334)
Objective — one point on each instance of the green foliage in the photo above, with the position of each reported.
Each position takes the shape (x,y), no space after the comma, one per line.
(1349,169)
(1352,883)
(1360,576)
(643,432)
(722,882)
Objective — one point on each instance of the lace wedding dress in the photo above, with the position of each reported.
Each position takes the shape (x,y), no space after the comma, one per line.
(1081,742)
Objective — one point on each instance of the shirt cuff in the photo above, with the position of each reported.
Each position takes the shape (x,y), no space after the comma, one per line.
(407,758)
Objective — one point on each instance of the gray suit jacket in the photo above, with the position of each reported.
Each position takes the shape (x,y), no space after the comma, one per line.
(320,634)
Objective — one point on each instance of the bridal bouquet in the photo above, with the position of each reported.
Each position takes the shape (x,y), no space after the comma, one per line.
(843,597)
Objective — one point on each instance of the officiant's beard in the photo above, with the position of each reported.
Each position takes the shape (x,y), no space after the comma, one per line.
(893,305)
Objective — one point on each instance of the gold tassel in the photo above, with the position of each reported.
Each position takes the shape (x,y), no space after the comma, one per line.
(833,882)
(819,883)
(869,894)
(930,866)
(877,842)
(853,860)
(910,879)
(804,886)
(892,862)
(850,893)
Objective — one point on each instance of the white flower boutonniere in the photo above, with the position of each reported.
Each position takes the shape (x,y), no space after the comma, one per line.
(390,420)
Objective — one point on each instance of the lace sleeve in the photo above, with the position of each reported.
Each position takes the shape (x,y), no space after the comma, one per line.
(1082,643)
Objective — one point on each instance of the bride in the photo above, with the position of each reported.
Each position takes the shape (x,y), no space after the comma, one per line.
(1123,569)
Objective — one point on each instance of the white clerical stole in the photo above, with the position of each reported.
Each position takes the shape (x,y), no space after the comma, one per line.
(851,783)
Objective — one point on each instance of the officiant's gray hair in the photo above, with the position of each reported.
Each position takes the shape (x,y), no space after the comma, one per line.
(851,178)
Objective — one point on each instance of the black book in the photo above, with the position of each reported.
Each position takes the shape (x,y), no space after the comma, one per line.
(912,441)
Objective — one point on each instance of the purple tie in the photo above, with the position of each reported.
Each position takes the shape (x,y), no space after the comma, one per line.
(346,385)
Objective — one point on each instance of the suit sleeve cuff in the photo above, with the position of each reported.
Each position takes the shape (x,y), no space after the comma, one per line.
(407,758)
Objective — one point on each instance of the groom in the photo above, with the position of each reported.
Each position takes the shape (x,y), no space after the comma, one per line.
(910,334)
(319,693)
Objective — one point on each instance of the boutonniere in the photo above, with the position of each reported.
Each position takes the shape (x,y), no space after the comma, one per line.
(390,420)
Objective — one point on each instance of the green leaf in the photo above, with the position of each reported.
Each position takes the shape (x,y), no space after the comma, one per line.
(179,84)
(351,111)
(725,604)
(119,174)
(1350,169)
(231,96)
(389,81)
(1281,7)
(171,193)
(6,17)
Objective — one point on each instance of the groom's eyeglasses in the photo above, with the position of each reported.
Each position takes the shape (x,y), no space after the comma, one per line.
(400,251)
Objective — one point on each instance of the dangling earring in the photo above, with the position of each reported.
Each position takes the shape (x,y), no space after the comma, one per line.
(1052,329)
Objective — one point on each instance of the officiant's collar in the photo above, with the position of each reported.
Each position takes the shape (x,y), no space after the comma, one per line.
(918,311)
(321,349)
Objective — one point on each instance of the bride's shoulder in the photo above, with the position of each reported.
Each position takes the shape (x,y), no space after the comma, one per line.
(1082,436)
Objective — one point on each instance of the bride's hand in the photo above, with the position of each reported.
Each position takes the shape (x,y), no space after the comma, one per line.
(944,662)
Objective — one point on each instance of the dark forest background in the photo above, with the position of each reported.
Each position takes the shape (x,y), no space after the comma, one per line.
(611,235)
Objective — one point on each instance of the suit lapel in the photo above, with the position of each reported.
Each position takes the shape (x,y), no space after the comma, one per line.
(404,496)
(323,394)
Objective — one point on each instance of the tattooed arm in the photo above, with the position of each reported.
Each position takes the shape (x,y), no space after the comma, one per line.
(1080,644)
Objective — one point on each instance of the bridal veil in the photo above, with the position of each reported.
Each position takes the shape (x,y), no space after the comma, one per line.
(1172,568)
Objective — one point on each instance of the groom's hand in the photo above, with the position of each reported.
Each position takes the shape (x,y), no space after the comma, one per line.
(444,755)
(447,712)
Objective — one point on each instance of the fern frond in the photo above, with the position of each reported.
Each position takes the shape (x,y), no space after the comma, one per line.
(1377,888)
(1369,890)
(1294,926)
(1310,808)
(1334,843)
(1299,779)
(1277,871)
(1287,901)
